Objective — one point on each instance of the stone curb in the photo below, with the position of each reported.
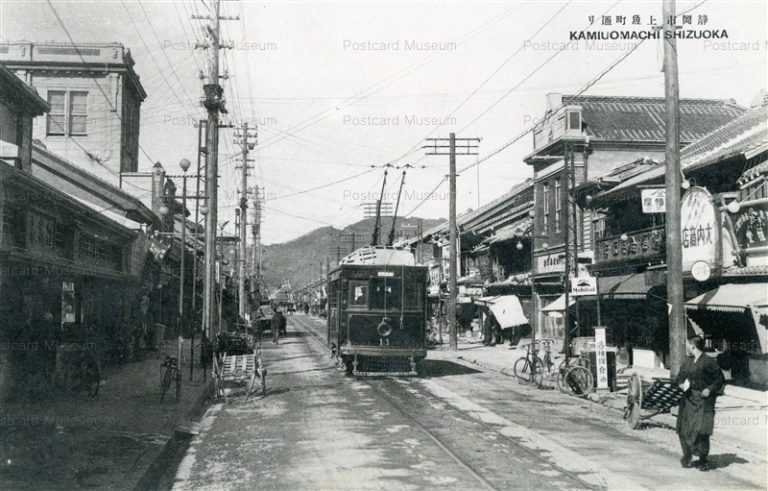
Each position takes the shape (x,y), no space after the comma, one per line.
(178,440)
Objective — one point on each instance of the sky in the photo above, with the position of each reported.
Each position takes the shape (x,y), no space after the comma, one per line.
(336,87)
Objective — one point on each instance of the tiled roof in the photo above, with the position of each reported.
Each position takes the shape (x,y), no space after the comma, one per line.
(745,134)
(642,118)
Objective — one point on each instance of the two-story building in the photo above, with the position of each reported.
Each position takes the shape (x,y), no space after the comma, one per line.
(63,264)
(95,100)
(725,258)
(598,134)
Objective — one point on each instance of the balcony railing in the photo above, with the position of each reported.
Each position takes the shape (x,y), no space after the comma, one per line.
(641,244)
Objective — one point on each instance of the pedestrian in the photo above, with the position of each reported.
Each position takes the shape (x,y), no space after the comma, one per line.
(276,324)
(701,380)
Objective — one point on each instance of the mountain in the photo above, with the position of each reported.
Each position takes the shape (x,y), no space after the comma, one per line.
(300,260)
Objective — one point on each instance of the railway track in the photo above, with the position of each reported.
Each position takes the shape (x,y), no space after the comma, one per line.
(380,386)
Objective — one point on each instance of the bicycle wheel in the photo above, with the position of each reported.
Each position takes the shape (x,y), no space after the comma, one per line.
(522,369)
(165,384)
(578,381)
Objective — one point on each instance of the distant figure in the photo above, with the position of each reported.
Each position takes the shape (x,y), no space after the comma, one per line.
(277,323)
(701,380)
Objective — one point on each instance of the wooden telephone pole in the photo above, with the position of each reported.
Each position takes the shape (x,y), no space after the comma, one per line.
(439,146)
(677,327)
(213,102)
(247,140)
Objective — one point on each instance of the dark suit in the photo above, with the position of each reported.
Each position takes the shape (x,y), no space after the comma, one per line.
(696,416)
(278,321)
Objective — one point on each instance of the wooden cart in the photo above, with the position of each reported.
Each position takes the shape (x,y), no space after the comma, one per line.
(239,369)
(647,399)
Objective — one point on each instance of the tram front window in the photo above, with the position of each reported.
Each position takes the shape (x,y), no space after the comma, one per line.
(385,293)
(358,293)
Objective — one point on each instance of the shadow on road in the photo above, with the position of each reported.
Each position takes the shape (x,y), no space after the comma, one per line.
(724,460)
(445,368)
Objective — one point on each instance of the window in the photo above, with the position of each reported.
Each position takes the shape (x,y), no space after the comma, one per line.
(68,114)
(558,204)
(358,293)
(545,199)
(78,113)
(385,293)
(574,120)
(57,115)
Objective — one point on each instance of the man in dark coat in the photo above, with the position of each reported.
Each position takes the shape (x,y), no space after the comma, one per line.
(276,325)
(701,380)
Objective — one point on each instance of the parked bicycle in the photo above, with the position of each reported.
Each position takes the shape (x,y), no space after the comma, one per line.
(575,376)
(171,374)
(533,368)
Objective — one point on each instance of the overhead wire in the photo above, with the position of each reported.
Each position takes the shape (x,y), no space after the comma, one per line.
(82,58)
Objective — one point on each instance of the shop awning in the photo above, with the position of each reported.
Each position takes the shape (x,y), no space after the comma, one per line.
(559,304)
(631,286)
(507,310)
(731,297)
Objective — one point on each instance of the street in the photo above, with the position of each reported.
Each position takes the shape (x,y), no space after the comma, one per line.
(458,428)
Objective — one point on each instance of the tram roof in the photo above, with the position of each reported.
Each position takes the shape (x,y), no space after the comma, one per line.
(380,256)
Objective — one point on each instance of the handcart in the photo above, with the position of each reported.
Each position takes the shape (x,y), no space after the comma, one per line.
(648,399)
(238,366)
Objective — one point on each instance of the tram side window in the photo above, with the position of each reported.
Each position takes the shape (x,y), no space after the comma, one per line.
(358,293)
(385,293)
(413,292)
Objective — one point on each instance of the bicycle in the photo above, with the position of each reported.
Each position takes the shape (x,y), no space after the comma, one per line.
(544,368)
(524,366)
(171,374)
(576,378)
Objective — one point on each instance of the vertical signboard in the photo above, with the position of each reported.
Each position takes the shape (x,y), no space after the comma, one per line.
(68,303)
(700,229)
(601,359)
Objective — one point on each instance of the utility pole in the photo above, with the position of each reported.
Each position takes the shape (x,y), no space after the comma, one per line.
(677,328)
(564,203)
(438,146)
(247,142)
(213,102)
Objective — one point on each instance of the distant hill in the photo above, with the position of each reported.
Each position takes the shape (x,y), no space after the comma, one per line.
(299,261)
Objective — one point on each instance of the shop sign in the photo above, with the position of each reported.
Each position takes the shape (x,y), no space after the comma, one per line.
(700,228)
(751,224)
(583,285)
(654,200)
(471,291)
(550,263)
(644,244)
(601,358)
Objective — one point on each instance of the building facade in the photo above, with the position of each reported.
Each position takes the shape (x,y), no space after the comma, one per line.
(95,100)
(725,261)
(583,138)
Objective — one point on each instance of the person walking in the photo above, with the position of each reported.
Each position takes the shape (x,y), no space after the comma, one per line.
(701,380)
(276,324)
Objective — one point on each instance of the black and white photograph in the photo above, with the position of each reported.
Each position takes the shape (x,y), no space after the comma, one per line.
(383,245)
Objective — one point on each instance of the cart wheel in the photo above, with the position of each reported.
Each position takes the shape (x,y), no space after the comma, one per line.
(634,402)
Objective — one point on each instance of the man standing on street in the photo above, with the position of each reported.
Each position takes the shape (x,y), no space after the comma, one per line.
(276,324)
(701,380)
